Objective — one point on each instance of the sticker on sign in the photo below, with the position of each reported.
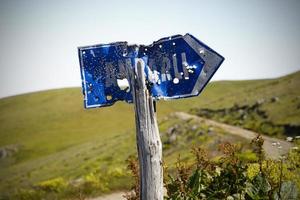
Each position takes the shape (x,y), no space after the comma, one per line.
(176,67)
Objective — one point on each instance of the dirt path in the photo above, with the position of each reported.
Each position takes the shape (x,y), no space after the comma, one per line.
(271,150)
(113,196)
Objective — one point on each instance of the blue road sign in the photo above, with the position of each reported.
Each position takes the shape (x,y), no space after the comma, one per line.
(176,67)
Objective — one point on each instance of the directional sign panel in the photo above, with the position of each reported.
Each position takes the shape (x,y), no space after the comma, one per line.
(102,68)
(176,67)
(179,66)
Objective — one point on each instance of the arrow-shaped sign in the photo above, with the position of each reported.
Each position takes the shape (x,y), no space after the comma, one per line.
(176,67)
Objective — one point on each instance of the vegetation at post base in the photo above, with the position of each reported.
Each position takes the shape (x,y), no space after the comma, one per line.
(133,166)
(229,177)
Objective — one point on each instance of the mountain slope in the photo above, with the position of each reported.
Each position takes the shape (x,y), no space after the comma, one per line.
(49,134)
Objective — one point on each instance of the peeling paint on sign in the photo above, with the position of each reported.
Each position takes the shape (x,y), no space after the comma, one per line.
(176,67)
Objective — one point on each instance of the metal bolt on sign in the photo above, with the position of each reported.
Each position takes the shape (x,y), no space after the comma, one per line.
(170,68)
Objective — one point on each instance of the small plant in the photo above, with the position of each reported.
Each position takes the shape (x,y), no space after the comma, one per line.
(202,160)
(257,146)
(28,194)
(133,166)
(53,185)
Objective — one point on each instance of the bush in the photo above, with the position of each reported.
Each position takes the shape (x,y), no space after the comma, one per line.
(28,194)
(93,184)
(234,178)
(53,185)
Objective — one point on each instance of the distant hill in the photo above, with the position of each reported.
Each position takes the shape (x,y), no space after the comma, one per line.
(49,134)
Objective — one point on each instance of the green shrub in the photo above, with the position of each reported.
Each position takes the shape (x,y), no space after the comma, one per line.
(28,194)
(247,156)
(117,172)
(252,171)
(231,177)
(53,185)
(94,184)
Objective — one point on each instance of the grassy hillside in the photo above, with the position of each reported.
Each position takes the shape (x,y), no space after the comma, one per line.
(49,134)
(225,94)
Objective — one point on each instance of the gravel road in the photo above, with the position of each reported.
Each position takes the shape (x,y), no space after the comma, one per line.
(113,196)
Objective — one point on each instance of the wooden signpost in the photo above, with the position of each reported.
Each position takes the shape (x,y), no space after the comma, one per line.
(149,144)
(170,68)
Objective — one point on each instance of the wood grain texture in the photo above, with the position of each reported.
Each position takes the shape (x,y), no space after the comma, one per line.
(148,139)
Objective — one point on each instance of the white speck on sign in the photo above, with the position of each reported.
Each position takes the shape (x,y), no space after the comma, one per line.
(123,83)
(175,80)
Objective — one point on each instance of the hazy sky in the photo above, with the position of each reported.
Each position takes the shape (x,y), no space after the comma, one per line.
(39,39)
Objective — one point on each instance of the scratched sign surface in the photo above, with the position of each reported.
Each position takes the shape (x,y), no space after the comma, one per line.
(175,67)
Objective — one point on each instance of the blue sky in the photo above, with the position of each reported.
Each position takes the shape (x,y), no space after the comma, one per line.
(39,39)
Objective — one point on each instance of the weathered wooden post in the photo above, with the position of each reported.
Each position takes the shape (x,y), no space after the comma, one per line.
(148,139)
(173,67)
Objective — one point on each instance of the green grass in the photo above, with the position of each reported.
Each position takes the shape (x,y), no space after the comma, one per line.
(56,137)
(189,134)
(224,94)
